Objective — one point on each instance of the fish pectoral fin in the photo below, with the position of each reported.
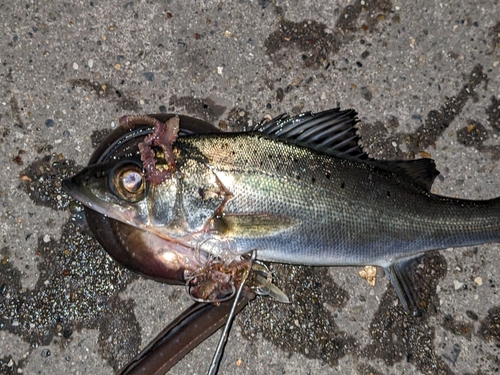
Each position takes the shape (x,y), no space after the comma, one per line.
(404,280)
(252,225)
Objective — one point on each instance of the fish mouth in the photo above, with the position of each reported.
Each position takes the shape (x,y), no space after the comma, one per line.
(75,187)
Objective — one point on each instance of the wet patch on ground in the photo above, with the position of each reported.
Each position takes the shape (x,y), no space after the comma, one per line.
(41,180)
(98,136)
(10,367)
(365,369)
(305,326)
(236,120)
(120,332)
(316,40)
(205,109)
(308,37)
(426,135)
(109,92)
(438,121)
(78,282)
(493,113)
(490,326)
(456,327)
(474,134)
(494,34)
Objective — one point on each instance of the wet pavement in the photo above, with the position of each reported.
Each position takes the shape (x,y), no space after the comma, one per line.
(424,78)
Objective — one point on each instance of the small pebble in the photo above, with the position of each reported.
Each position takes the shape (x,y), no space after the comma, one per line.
(91,63)
(457,284)
(478,281)
(280,94)
(46,238)
(75,66)
(357,309)
(49,123)
(149,76)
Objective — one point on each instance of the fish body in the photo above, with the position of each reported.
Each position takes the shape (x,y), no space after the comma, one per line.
(298,190)
(297,205)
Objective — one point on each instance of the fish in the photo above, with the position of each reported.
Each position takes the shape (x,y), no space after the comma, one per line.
(297,190)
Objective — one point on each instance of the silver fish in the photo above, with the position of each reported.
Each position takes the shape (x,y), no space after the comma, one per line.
(299,190)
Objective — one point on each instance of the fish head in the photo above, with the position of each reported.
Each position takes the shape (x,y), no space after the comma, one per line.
(119,189)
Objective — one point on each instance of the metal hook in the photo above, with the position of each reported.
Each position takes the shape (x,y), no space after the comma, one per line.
(196,299)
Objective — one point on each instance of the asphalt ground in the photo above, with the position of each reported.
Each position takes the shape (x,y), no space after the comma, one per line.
(424,77)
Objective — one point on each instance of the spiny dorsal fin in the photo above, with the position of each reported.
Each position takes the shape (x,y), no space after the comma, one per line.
(332,132)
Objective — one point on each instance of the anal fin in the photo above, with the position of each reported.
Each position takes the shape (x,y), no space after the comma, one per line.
(403,278)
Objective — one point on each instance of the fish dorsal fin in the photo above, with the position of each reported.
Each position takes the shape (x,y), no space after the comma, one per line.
(332,131)
(420,172)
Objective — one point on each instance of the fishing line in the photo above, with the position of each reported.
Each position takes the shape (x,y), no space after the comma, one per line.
(214,366)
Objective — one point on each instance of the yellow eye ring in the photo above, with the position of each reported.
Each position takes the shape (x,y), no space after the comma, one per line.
(128,182)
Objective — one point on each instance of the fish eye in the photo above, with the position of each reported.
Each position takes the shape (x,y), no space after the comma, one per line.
(131,181)
(127,181)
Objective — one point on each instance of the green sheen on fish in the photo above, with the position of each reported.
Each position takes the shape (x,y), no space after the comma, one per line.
(297,190)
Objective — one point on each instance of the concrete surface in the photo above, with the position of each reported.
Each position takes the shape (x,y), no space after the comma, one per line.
(424,77)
